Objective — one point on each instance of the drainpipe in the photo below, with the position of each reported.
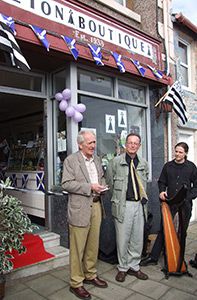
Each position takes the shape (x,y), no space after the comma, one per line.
(166,44)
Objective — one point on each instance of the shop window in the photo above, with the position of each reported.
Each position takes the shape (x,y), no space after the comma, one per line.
(130,92)
(95,83)
(183,51)
(59,81)
(61,145)
(112,121)
(21,81)
(60,153)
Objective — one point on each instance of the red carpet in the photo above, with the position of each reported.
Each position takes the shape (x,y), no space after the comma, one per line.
(35,252)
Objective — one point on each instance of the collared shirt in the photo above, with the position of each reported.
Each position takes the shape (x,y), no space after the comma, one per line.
(130,191)
(91,168)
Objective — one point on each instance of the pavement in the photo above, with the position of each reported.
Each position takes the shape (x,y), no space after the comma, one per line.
(54,284)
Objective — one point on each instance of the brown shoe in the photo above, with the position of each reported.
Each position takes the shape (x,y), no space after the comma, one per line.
(81,293)
(138,274)
(96,282)
(121,276)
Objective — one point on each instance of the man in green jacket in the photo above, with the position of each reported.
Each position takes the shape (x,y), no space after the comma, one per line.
(126,176)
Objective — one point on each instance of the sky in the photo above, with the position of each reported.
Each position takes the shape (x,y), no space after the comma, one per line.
(187,7)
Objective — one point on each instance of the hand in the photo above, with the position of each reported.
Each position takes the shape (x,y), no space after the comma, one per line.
(163,196)
(98,188)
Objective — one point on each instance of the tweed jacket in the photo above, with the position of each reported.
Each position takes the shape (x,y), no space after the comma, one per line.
(117,179)
(76,182)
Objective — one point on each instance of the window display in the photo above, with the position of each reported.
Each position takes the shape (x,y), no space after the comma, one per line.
(27,157)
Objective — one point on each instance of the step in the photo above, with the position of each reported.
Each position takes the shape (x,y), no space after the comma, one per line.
(50,239)
(60,259)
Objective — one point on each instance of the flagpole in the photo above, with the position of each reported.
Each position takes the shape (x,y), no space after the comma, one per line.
(160,100)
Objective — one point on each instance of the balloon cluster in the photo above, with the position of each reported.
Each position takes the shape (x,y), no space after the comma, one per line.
(75,111)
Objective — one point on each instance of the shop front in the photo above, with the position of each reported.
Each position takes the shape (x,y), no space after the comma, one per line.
(119,98)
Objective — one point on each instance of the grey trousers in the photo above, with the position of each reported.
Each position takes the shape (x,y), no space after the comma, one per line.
(129,237)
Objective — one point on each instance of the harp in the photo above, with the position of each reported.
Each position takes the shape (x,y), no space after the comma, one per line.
(174,241)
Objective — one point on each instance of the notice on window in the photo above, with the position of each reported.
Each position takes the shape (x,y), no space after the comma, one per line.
(122,118)
(110,124)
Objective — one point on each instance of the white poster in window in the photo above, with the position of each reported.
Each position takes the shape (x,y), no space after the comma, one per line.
(110,124)
(122,118)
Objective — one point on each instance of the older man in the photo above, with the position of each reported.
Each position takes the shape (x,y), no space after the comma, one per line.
(127,175)
(83,179)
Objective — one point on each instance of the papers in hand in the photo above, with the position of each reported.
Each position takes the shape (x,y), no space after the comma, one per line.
(105,189)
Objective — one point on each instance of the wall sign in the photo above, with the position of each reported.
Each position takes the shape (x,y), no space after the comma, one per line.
(86,23)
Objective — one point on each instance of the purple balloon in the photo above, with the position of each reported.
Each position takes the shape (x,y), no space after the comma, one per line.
(59,96)
(70,111)
(78,117)
(80,107)
(66,94)
(63,105)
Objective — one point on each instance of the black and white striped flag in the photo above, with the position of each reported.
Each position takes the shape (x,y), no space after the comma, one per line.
(175,97)
(9,44)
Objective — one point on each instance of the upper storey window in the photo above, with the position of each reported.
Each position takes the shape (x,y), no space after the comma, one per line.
(183,53)
(124,7)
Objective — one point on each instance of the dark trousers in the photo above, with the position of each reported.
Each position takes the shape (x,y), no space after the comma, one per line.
(184,217)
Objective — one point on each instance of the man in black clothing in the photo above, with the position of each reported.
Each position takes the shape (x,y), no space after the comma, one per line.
(174,175)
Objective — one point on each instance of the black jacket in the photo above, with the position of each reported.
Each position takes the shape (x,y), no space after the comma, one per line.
(174,175)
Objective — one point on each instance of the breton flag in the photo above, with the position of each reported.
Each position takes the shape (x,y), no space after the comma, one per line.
(96,54)
(156,72)
(118,61)
(71,45)
(8,21)
(140,69)
(41,34)
(175,97)
(9,44)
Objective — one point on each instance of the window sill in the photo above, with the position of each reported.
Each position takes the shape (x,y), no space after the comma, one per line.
(121,9)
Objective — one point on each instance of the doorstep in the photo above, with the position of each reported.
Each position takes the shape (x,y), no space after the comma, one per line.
(52,245)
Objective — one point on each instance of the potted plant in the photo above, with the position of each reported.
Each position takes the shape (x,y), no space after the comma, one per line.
(14,222)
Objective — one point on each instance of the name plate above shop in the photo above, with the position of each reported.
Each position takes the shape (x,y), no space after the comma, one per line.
(88,23)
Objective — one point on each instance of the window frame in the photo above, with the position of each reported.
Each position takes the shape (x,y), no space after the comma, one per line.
(115,98)
(184,65)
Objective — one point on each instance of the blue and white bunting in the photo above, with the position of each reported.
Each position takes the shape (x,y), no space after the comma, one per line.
(156,72)
(40,181)
(25,178)
(140,69)
(71,45)
(96,54)
(9,22)
(118,61)
(41,34)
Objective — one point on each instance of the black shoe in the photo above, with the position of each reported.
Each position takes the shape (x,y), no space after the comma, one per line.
(148,261)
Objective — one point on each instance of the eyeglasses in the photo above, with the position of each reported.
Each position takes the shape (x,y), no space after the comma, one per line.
(133,143)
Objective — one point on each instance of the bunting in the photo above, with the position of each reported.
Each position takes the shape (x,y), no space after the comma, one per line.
(158,74)
(140,69)
(71,45)
(9,44)
(96,54)
(41,34)
(9,22)
(119,62)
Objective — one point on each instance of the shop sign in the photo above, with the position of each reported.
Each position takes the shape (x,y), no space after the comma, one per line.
(86,23)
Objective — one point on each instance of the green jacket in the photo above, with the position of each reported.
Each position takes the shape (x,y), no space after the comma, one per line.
(117,179)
